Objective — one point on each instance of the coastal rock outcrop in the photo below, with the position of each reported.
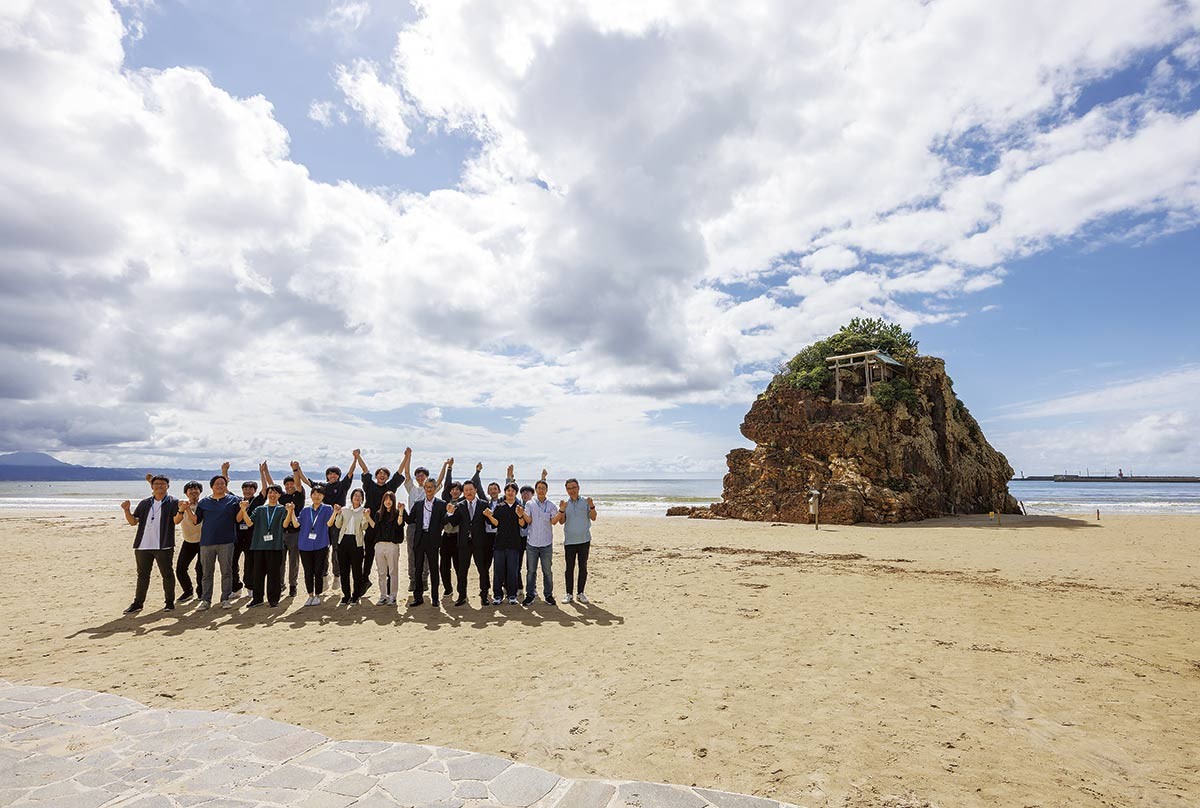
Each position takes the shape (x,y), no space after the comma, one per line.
(912,452)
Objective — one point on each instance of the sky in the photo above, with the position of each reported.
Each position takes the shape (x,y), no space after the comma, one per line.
(583,235)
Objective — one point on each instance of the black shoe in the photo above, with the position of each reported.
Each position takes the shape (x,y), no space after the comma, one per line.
(434,602)
(186,596)
(253,603)
(550,600)
(462,601)
(345,600)
(272,603)
(134,608)
(353,601)
(291,591)
(447,593)
(528,600)
(417,600)
(484,600)
(169,607)
(366,586)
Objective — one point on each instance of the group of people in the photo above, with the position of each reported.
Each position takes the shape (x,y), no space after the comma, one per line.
(271,532)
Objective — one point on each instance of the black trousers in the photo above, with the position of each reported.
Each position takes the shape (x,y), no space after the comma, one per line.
(314,562)
(146,560)
(574,552)
(266,575)
(188,551)
(350,565)
(241,559)
(427,549)
(448,555)
(482,551)
(368,559)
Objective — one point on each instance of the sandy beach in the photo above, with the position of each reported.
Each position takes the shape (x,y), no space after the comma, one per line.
(1051,661)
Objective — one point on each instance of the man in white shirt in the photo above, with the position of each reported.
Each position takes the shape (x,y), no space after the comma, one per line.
(154,543)
(539,548)
(414,487)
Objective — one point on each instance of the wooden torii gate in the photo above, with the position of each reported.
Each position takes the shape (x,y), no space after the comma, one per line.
(870,361)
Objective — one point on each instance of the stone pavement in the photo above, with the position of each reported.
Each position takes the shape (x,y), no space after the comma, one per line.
(82,749)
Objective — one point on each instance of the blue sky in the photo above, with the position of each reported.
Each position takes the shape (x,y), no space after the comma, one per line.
(491,229)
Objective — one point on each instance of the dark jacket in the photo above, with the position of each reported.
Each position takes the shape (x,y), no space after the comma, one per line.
(471,531)
(416,516)
(166,522)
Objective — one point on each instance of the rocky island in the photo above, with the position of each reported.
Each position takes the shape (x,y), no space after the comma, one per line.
(873,426)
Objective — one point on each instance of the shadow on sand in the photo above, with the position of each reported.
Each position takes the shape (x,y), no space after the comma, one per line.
(187,618)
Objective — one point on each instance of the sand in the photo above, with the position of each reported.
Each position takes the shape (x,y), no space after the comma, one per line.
(1050,661)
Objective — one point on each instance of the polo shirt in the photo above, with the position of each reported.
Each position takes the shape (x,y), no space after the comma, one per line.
(508,532)
(578,527)
(541,532)
(318,523)
(268,527)
(218,519)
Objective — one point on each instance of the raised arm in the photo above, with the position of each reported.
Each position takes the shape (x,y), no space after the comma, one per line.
(448,473)
(181,507)
(353,463)
(129,517)
(298,475)
(442,474)
(289,519)
(358,461)
(337,511)
(225,469)
(265,473)
(244,514)
(478,482)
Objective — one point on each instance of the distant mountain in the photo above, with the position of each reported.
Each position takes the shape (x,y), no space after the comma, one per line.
(40,459)
(38,466)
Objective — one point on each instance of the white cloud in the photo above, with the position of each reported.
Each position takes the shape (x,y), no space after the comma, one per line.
(636,160)
(343,16)
(382,106)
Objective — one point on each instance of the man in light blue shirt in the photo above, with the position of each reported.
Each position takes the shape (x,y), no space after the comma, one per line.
(576,516)
(540,546)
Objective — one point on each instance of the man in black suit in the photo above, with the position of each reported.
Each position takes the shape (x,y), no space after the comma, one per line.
(428,515)
(473,541)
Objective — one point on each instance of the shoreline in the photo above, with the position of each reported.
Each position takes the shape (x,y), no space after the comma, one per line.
(1048,660)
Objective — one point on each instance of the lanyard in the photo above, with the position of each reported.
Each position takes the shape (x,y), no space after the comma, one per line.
(315,512)
(271,515)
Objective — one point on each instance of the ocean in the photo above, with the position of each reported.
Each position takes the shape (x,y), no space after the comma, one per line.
(653,497)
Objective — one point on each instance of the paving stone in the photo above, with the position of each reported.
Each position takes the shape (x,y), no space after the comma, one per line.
(288,746)
(352,785)
(587,794)
(401,757)
(323,799)
(220,775)
(360,747)
(40,770)
(263,729)
(476,767)
(376,799)
(108,700)
(417,787)
(725,799)
(471,790)
(330,761)
(435,766)
(101,715)
(38,732)
(84,799)
(147,801)
(445,754)
(520,786)
(289,776)
(226,802)
(657,795)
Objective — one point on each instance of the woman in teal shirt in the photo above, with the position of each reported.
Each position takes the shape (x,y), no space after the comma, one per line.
(266,547)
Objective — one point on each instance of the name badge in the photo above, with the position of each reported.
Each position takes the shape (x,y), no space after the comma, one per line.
(312,536)
(268,537)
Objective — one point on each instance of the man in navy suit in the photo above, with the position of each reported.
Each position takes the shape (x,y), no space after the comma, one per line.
(428,516)
(473,541)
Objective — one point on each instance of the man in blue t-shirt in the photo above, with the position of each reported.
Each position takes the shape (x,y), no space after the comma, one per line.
(217,516)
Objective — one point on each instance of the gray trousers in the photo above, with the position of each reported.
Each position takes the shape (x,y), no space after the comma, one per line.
(291,543)
(409,542)
(532,556)
(212,556)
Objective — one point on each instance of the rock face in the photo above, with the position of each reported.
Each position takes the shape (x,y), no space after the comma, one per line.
(914,460)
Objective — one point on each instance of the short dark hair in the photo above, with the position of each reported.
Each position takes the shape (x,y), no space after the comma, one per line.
(525,488)
(216,477)
(278,489)
(541,482)
(250,484)
(466,483)
(569,481)
(289,479)
(317,489)
(456,485)
(386,472)
(493,482)
(333,470)
(190,484)
(513,486)
(158,477)
(421,470)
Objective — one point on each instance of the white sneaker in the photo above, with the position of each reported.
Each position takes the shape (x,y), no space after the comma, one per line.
(568,598)
(496,601)
(582,598)
(383,601)
(227,604)
(512,601)
(202,605)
